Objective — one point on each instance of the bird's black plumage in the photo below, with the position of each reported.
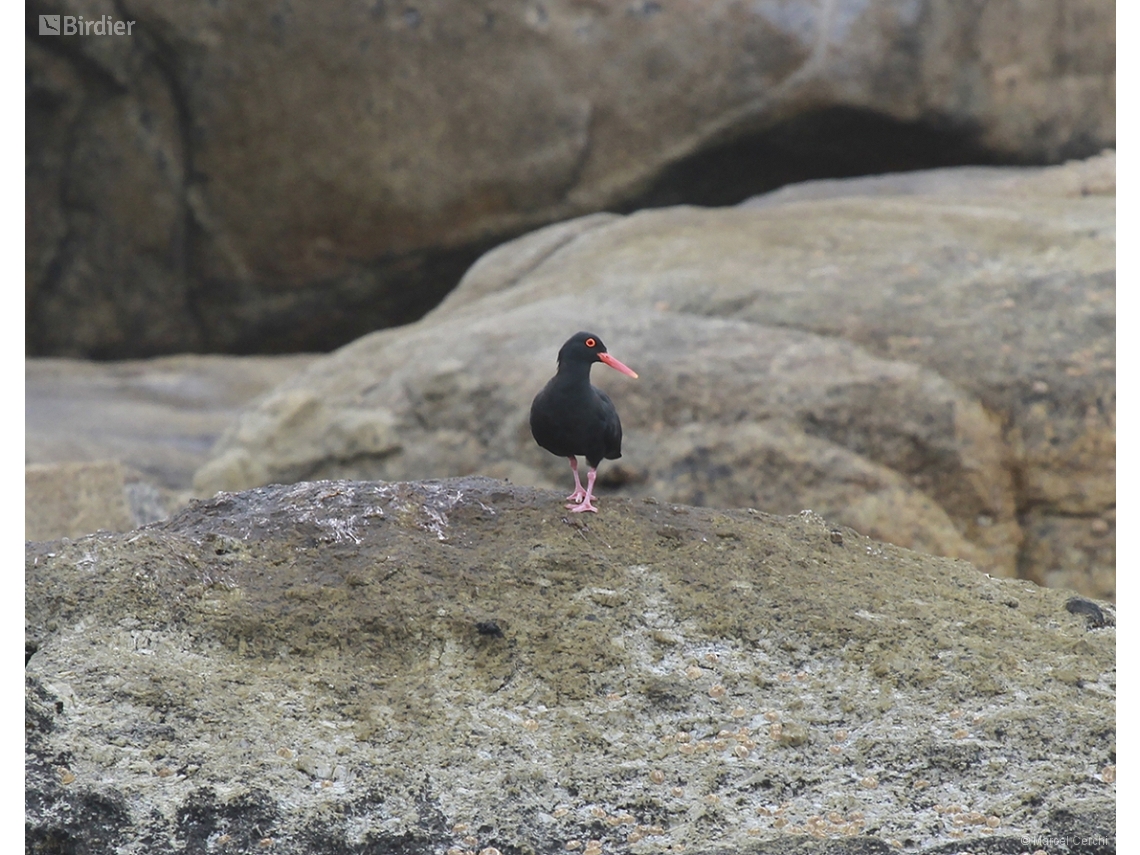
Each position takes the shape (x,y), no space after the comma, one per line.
(571,417)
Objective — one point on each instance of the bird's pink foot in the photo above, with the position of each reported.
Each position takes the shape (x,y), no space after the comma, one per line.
(579,494)
(586,504)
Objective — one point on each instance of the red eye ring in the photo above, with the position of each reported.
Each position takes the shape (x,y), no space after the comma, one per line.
(590,342)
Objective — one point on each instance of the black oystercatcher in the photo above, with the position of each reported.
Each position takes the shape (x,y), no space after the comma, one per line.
(571,417)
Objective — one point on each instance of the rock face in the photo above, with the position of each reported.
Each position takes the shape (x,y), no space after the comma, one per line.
(159,417)
(929,359)
(73,499)
(255,178)
(456,665)
(112,446)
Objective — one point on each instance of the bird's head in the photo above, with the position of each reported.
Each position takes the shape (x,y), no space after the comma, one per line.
(586,348)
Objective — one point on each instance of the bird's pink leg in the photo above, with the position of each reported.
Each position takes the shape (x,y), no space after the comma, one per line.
(578,493)
(585,504)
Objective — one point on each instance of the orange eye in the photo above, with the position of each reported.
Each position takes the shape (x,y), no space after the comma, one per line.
(590,342)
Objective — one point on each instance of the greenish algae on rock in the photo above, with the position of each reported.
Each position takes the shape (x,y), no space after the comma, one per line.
(461,665)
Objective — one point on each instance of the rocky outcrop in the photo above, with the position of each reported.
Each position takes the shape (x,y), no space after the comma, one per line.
(929,359)
(74,499)
(256,178)
(158,416)
(113,446)
(459,666)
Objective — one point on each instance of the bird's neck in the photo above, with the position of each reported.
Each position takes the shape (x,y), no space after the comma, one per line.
(574,373)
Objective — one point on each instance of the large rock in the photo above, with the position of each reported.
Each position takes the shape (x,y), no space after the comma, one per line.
(457,665)
(254,177)
(927,358)
(158,416)
(74,499)
(114,445)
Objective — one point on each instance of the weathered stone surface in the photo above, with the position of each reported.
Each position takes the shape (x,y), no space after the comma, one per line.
(927,360)
(73,499)
(371,667)
(254,178)
(159,417)
(115,445)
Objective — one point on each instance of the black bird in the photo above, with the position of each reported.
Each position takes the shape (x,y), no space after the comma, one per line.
(571,417)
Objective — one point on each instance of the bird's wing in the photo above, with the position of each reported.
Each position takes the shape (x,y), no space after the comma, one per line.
(612,426)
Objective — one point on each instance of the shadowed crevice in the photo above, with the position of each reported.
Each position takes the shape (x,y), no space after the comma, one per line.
(833,143)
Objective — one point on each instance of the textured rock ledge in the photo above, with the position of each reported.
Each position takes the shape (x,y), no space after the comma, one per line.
(457,665)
